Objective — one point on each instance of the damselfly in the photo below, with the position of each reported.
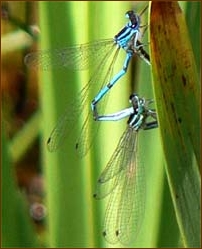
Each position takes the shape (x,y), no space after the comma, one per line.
(123,178)
(100,54)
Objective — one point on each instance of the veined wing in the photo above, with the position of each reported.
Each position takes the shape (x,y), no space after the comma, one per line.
(108,179)
(125,208)
(81,107)
(78,57)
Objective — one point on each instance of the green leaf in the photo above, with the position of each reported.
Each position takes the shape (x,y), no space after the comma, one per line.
(23,140)
(17,227)
(176,89)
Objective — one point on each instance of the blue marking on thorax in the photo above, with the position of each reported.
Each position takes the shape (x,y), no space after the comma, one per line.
(126,34)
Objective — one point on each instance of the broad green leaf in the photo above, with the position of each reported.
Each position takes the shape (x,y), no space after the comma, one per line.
(176,89)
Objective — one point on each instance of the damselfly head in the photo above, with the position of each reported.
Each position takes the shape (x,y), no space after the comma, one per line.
(132,96)
(134,99)
(133,17)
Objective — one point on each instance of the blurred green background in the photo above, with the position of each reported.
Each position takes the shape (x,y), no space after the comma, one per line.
(47,198)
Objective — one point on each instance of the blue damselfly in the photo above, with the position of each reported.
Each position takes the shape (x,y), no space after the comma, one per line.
(101,55)
(123,177)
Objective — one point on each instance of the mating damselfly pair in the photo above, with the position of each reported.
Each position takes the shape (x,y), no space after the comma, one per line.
(121,176)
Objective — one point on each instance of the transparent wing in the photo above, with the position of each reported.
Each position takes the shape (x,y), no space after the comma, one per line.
(80,107)
(79,57)
(108,179)
(67,122)
(125,185)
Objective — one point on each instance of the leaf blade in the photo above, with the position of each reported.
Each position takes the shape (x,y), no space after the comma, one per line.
(176,88)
